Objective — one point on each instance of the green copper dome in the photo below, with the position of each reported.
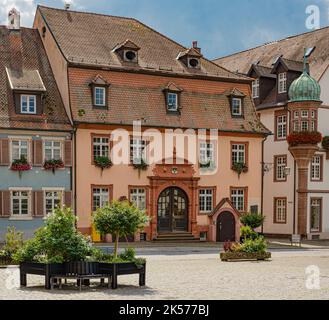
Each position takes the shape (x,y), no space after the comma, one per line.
(305,88)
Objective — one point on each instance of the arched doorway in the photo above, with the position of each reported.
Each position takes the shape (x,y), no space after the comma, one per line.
(225,227)
(173,211)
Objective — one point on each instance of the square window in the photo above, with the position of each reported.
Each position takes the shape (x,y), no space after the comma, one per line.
(255,89)
(19,150)
(138,197)
(238,153)
(281,127)
(282,83)
(206,200)
(101,198)
(280,208)
(20,203)
(137,151)
(316,168)
(52,150)
(52,201)
(100,147)
(280,167)
(304,114)
(28,104)
(206,153)
(238,199)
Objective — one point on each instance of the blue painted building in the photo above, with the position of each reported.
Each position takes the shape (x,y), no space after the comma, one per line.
(35,132)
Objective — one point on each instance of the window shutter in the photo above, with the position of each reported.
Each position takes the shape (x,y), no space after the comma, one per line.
(5,212)
(37,150)
(68,199)
(38,204)
(68,153)
(4,152)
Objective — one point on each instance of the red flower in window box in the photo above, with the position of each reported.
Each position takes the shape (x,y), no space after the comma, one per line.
(53,165)
(20,165)
(302,138)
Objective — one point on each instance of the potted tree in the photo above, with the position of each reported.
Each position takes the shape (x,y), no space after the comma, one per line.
(121,219)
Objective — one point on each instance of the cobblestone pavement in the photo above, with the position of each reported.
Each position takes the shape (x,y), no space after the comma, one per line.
(199,276)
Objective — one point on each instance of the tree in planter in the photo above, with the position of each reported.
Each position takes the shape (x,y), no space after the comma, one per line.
(239,168)
(120,219)
(252,220)
(103,163)
(13,242)
(57,242)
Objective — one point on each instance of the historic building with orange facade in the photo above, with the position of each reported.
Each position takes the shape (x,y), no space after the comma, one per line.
(114,71)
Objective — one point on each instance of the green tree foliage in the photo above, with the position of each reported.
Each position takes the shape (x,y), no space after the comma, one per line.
(120,219)
(252,220)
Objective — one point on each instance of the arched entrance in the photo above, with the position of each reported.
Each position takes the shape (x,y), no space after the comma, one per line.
(173,211)
(225,227)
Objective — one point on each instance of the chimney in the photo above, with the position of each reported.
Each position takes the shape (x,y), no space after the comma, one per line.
(67,5)
(14,19)
(195,46)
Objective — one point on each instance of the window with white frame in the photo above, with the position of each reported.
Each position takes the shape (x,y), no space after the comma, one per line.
(28,104)
(238,153)
(53,200)
(304,114)
(138,197)
(313,126)
(137,150)
(172,101)
(52,150)
(19,149)
(99,96)
(316,169)
(304,125)
(255,89)
(236,106)
(282,84)
(100,147)
(238,199)
(206,200)
(313,114)
(280,210)
(20,203)
(281,127)
(316,208)
(296,126)
(206,153)
(280,168)
(101,198)
(296,115)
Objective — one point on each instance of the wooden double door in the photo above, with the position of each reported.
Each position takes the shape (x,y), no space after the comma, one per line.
(173,211)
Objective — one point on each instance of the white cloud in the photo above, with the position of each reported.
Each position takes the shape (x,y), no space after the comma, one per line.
(25,7)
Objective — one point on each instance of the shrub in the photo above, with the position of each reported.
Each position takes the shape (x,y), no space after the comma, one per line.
(239,168)
(248,233)
(57,242)
(252,220)
(257,245)
(302,138)
(120,219)
(325,143)
(13,242)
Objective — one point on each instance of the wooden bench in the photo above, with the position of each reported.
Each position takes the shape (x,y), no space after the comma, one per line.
(80,280)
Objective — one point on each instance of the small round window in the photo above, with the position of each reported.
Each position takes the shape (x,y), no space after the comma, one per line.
(194,63)
(130,55)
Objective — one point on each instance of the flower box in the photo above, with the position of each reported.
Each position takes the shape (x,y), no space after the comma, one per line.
(243,256)
(53,165)
(302,138)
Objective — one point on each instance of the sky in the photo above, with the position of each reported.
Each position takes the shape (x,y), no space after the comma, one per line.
(221,27)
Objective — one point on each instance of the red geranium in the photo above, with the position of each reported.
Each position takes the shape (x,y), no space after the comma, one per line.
(302,138)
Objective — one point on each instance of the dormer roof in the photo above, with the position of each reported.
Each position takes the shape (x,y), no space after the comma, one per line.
(261,71)
(288,65)
(172,87)
(25,80)
(128,45)
(192,52)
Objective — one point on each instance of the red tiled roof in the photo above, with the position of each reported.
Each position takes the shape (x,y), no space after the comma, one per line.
(291,48)
(23,54)
(89,39)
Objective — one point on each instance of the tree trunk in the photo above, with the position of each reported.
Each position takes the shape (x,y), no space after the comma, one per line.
(116,246)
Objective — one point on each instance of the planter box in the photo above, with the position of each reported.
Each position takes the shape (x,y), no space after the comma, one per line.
(81,268)
(120,269)
(242,256)
(46,270)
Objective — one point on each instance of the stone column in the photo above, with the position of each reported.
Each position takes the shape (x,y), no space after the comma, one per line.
(303,155)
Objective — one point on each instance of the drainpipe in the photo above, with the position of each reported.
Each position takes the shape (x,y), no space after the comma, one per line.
(74,169)
(263,175)
(295,184)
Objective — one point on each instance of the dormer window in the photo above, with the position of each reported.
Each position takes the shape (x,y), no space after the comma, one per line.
(282,82)
(127,51)
(172,105)
(99,95)
(191,58)
(193,63)
(99,90)
(172,97)
(28,104)
(236,107)
(255,89)
(130,56)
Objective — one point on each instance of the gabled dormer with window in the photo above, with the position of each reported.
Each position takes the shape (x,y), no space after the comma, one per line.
(191,58)
(28,89)
(173,98)
(286,72)
(263,82)
(236,98)
(99,92)
(127,52)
